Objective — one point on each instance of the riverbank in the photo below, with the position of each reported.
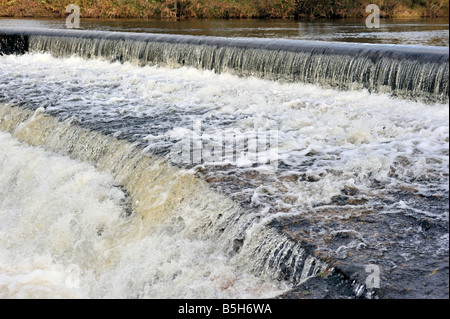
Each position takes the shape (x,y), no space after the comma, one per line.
(223,9)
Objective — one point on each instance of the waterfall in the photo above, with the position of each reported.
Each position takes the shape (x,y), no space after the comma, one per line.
(419,73)
(348,160)
(165,197)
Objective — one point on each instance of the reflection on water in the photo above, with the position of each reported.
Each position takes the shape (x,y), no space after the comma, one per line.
(431,32)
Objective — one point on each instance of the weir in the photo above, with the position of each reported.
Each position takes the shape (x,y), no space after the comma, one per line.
(418,73)
(164,196)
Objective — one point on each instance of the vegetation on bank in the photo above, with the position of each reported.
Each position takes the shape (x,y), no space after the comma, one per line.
(223,9)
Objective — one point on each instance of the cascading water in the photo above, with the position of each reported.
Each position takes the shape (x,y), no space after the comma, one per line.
(405,71)
(124,253)
(348,160)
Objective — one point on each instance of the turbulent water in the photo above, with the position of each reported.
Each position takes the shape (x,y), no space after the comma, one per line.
(361,177)
(67,230)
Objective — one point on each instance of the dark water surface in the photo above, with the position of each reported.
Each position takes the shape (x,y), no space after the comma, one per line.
(430,32)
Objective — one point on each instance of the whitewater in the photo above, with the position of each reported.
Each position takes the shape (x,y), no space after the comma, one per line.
(95,201)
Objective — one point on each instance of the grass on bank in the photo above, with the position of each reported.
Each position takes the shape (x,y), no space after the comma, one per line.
(223,9)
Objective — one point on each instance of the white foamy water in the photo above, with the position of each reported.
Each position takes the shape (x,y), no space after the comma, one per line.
(329,141)
(64,233)
(337,139)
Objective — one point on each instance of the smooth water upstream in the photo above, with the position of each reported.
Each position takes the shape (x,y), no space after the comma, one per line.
(429,32)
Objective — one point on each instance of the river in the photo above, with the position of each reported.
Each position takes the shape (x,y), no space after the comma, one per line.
(136,163)
(431,32)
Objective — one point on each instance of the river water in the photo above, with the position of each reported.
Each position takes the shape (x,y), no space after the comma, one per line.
(361,178)
(431,32)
